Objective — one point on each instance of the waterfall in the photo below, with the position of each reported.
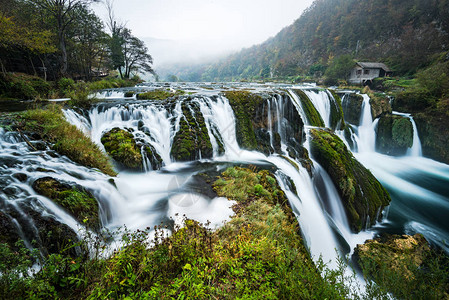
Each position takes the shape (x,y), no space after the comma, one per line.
(146,199)
(366,137)
(320,99)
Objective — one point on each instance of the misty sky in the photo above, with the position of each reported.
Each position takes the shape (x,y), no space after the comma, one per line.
(203,28)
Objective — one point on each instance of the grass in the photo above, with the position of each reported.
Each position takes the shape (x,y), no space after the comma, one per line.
(66,138)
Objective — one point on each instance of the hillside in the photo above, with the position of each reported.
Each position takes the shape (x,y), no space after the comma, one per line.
(402,33)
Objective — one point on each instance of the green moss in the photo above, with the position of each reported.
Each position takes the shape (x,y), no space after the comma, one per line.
(312,114)
(78,202)
(394,135)
(121,146)
(66,138)
(244,104)
(363,196)
(159,94)
(380,104)
(129,94)
(192,140)
(405,266)
(337,117)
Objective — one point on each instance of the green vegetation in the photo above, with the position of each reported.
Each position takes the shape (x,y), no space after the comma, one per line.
(312,114)
(405,266)
(244,105)
(339,69)
(258,254)
(192,137)
(362,195)
(68,140)
(159,94)
(121,146)
(80,203)
(406,35)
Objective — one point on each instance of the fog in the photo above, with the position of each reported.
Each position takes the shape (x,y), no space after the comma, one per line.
(192,31)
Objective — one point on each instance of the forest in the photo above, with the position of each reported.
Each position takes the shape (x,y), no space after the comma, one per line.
(63,39)
(406,35)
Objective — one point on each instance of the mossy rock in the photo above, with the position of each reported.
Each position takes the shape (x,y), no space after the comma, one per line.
(362,194)
(337,116)
(121,146)
(434,133)
(244,104)
(8,231)
(312,114)
(192,140)
(75,200)
(129,94)
(158,94)
(394,135)
(404,265)
(380,104)
(352,108)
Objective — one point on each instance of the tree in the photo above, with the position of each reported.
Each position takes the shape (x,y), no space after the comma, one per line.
(127,52)
(63,12)
(339,68)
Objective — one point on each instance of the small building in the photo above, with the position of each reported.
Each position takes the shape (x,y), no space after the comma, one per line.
(365,72)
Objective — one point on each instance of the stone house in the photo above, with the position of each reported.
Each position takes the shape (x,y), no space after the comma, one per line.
(365,72)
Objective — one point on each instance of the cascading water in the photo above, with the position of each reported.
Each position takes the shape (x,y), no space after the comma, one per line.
(146,199)
(320,99)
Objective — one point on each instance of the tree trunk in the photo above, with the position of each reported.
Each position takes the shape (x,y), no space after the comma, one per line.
(44,68)
(63,54)
(120,71)
(32,65)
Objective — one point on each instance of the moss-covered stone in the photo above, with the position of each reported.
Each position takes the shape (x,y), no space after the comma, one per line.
(362,195)
(158,94)
(192,140)
(337,116)
(433,131)
(352,108)
(129,94)
(312,114)
(244,105)
(404,266)
(394,135)
(380,104)
(121,146)
(77,201)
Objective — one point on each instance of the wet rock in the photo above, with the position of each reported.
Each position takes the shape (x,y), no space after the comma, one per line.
(394,135)
(312,114)
(74,199)
(8,231)
(121,146)
(20,177)
(380,105)
(192,140)
(352,108)
(362,194)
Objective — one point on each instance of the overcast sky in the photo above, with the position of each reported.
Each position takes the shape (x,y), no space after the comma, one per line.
(205,27)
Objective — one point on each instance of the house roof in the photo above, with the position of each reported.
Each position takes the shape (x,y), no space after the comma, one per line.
(374,65)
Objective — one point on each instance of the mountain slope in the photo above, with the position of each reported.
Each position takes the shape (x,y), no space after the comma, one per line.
(403,33)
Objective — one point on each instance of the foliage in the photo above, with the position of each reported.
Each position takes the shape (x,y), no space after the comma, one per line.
(339,68)
(404,34)
(66,138)
(23,86)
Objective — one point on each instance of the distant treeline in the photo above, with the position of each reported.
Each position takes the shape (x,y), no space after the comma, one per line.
(65,38)
(405,34)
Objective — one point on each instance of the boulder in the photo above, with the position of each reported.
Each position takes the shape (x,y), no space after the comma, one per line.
(362,194)
(394,135)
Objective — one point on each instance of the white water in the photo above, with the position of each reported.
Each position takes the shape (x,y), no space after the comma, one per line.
(320,99)
(416,149)
(146,199)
